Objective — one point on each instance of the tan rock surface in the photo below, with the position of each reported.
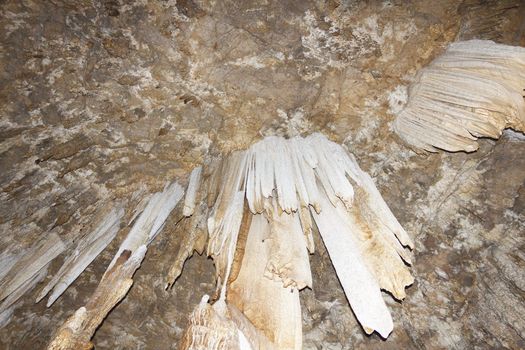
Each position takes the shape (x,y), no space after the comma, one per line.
(100,100)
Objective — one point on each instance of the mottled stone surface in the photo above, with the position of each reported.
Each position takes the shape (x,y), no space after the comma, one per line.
(101,98)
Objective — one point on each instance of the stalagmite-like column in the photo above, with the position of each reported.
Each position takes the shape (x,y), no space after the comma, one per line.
(475,89)
(224,327)
(194,226)
(76,332)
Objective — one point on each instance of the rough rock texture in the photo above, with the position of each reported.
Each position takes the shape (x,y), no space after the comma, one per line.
(101,99)
(474,89)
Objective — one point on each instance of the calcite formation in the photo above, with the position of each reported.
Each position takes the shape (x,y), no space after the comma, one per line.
(222,326)
(263,204)
(29,268)
(475,89)
(260,207)
(77,331)
(88,248)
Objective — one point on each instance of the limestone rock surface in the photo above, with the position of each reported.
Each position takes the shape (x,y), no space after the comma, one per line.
(106,101)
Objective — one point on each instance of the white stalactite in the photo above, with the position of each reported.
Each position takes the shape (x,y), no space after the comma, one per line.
(262,267)
(259,204)
(151,220)
(87,249)
(191,192)
(29,270)
(271,307)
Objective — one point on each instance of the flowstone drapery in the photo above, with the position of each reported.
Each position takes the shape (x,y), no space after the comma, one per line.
(475,89)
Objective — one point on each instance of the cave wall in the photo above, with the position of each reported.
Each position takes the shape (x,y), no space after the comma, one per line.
(99,99)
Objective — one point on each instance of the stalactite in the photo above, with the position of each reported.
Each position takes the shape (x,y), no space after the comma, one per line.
(28,271)
(254,212)
(117,280)
(281,184)
(87,249)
